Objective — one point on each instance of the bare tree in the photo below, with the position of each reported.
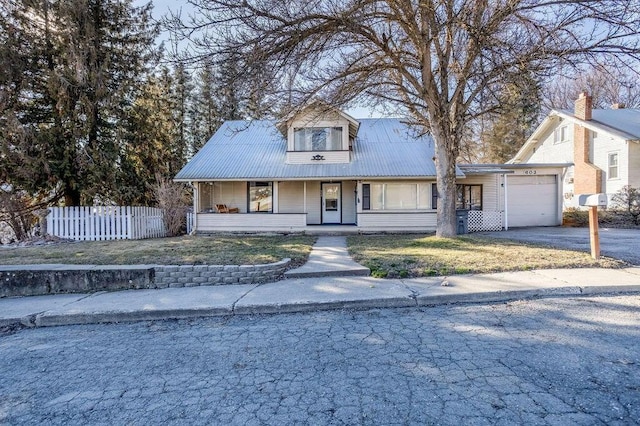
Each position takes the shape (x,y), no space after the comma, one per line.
(172,199)
(607,84)
(627,203)
(433,60)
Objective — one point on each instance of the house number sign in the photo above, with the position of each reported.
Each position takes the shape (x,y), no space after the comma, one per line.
(530,172)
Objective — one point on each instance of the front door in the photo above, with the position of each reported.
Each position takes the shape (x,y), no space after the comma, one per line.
(331,206)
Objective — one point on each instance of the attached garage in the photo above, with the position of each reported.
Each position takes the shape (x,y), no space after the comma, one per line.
(532,200)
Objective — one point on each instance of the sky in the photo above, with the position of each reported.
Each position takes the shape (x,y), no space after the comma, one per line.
(163,7)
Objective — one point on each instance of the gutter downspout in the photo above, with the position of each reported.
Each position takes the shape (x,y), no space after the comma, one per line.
(506,204)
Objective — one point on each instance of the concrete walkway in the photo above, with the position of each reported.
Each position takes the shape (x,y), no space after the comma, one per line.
(329,258)
(311,294)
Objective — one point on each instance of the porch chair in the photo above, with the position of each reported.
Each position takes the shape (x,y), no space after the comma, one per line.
(222,208)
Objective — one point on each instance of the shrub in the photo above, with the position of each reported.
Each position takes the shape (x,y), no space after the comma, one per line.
(575,217)
(627,203)
(171,198)
(17,214)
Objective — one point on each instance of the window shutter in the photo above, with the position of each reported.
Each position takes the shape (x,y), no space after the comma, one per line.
(434,196)
(366,196)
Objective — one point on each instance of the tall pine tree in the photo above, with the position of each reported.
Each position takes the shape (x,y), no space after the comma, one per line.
(81,62)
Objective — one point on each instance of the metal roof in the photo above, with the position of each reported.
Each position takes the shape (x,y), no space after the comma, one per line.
(623,122)
(256,150)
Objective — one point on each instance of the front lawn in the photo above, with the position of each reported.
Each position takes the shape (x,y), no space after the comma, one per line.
(186,250)
(393,256)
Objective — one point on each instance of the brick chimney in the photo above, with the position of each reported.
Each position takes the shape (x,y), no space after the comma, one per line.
(583,107)
(617,106)
(587,177)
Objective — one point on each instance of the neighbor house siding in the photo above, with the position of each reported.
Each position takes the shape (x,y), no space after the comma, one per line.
(603,146)
(547,151)
(634,164)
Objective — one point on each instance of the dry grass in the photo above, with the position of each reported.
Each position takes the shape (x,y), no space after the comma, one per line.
(426,255)
(218,250)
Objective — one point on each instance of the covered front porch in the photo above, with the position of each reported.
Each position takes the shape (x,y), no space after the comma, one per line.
(329,206)
(275,206)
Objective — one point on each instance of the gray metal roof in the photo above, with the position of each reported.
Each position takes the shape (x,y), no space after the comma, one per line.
(256,150)
(624,122)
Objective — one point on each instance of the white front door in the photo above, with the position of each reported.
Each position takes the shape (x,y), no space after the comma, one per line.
(331,208)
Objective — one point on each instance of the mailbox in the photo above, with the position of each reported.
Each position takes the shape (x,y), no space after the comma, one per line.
(592,200)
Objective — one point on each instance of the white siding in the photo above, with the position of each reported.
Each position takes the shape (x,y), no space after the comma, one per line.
(409,222)
(348,201)
(319,118)
(634,164)
(490,190)
(547,151)
(330,157)
(291,197)
(257,222)
(313,203)
(603,146)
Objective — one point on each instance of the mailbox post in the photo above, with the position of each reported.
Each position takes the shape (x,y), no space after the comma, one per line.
(593,201)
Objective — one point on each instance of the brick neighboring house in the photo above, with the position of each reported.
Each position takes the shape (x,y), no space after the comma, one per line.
(602,144)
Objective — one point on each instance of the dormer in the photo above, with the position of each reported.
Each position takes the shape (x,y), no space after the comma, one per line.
(319,135)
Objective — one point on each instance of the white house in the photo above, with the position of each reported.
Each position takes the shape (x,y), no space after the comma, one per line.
(602,144)
(323,167)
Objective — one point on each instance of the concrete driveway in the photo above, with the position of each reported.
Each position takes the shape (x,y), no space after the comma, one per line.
(623,244)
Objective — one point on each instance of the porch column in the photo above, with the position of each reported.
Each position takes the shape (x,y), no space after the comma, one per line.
(304,197)
(196,204)
(274,197)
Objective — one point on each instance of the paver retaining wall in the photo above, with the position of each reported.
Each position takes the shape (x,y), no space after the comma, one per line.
(195,275)
(54,279)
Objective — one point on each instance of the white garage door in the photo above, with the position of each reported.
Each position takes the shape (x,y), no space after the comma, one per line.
(532,201)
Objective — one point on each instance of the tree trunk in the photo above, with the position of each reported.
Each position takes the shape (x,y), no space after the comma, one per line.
(71,196)
(446,185)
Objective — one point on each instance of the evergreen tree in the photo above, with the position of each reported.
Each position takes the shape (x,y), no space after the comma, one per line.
(81,62)
(508,129)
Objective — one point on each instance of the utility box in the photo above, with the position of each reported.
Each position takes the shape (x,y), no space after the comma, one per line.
(462,220)
(592,200)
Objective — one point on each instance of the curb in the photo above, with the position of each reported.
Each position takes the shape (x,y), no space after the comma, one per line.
(44,320)
(355,272)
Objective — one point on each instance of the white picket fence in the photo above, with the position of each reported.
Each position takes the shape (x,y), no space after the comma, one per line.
(106,223)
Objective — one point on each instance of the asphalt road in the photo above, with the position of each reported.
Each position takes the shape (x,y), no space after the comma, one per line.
(552,361)
(621,244)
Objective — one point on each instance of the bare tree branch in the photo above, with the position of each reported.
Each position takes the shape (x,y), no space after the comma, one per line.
(434,60)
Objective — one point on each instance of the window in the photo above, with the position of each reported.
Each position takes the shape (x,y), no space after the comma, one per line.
(366,196)
(613,165)
(318,139)
(560,134)
(395,196)
(260,197)
(469,197)
(434,196)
